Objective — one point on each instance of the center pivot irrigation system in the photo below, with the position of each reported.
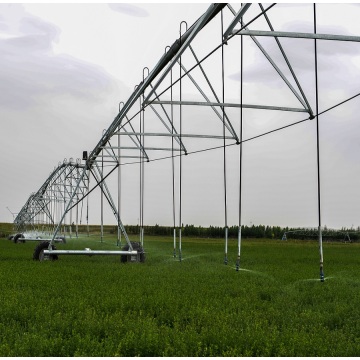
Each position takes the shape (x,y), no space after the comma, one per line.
(185,105)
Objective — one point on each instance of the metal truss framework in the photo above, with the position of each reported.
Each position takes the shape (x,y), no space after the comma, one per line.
(157,122)
(54,208)
(44,208)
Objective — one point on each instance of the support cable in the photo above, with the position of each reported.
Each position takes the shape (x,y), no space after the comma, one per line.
(212,148)
(208,149)
(98,183)
(107,194)
(340,103)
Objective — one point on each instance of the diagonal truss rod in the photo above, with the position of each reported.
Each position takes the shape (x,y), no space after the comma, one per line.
(106,192)
(272,62)
(43,206)
(213,91)
(186,39)
(237,32)
(172,130)
(287,62)
(115,157)
(67,207)
(302,99)
(107,149)
(138,145)
(236,19)
(177,138)
(37,204)
(228,126)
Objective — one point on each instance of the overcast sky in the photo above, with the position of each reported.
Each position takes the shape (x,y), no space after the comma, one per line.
(65,67)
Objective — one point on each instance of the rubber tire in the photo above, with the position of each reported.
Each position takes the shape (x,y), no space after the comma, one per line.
(135,246)
(18,238)
(39,251)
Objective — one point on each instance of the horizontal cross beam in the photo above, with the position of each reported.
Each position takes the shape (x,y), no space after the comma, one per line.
(199,136)
(297,35)
(244,106)
(135,148)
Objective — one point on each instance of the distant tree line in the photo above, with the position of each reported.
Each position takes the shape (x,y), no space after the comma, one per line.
(254,231)
(249,232)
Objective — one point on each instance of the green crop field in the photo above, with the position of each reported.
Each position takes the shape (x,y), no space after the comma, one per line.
(96,306)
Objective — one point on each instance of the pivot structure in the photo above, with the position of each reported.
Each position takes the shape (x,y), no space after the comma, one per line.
(55,209)
(43,209)
(202,91)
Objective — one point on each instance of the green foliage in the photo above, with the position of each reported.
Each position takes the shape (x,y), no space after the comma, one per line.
(96,306)
(6,229)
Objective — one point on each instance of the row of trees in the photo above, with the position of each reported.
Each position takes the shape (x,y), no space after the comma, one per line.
(254,231)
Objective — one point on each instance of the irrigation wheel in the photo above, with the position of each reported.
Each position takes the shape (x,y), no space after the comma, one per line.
(18,238)
(39,252)
(130,258)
